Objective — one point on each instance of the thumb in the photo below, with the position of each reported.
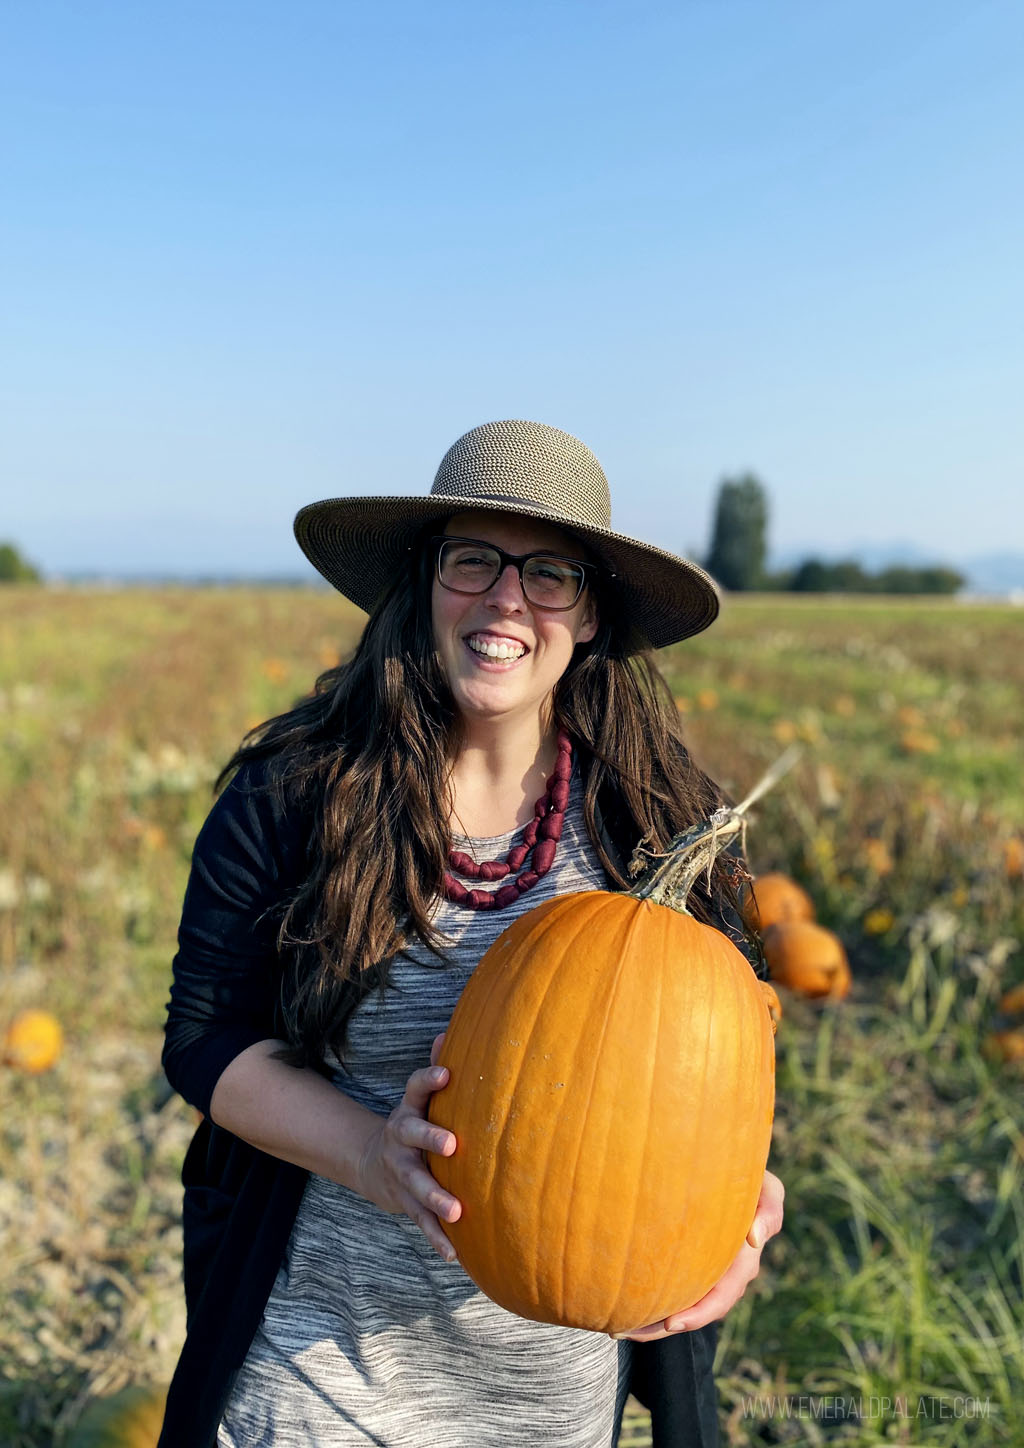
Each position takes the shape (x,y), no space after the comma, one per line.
(435,1050)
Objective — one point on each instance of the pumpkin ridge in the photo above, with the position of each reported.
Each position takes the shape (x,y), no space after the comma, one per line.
(695,1124)
(701,1114)
(501,990)
(654,1060)
(739,1064)
(497,1159)
(562,1199)
(584,1143)
(501,1161)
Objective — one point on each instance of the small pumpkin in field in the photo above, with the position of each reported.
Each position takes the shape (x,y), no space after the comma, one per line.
(131,1418)
(878,857)
(1012,1003)
(919,741)
(611,1094)
(772,898)
(808,959)
(33,1041)
(1006,1046)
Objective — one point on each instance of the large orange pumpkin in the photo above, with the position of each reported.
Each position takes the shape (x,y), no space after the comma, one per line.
(808,959)
(773,898)
(611,1093)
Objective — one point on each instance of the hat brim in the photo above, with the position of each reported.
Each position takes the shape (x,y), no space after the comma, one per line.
(357,544)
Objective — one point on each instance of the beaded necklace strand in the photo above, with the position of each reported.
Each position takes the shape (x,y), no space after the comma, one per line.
(540,837)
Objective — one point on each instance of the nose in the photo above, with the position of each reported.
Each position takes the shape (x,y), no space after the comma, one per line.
(506,592)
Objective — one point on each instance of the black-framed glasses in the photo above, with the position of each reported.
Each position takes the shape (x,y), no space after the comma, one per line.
(465,565)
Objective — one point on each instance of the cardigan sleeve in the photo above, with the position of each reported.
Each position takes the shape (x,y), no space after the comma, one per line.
(226,974)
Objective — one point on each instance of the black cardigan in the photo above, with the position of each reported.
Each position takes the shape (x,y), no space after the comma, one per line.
(240,1203)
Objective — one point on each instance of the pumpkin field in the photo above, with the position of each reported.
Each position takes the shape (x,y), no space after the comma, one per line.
(889,1310)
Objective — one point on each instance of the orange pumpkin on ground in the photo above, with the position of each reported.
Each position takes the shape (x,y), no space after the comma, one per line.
(1005,1045)
(808,959)
(33,1041)
(1012,1003)
(773,898)
(611,1092)
(131,1418)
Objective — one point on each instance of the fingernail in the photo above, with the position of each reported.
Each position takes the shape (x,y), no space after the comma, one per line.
(755,1237)
(675,1325)
(619,1336)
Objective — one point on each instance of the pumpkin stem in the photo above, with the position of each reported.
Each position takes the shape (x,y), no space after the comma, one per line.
(668,878)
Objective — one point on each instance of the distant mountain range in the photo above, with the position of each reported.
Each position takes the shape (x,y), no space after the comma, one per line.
(997,574)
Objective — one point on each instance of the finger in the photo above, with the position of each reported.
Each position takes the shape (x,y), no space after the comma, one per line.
(426,1192)
(435,1050)
(431,1229)
(422,1084)
(726,1292)
(769,1214)
(422,1135)
(773,1187)
(712,1307)
(652,1331)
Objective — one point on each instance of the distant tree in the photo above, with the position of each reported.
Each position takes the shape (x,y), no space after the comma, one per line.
(941,580)
(738,546)
(933,579)
(811,576)
(847,576)
(14,568)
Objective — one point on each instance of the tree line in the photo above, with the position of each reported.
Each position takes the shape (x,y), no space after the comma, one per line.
(736,558)
(739,547)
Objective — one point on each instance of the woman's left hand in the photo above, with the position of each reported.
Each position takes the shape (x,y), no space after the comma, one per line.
(737,1278)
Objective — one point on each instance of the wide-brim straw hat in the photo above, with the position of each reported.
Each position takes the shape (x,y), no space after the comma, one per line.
(359,544)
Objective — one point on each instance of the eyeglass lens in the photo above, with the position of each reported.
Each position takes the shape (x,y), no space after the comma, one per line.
(473,568)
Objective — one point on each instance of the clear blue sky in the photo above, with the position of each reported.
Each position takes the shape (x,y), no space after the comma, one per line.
(256,254)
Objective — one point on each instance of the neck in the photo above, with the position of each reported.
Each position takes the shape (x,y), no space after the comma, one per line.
(499,773)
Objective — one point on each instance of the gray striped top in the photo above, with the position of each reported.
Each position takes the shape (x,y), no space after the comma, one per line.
(368,1336)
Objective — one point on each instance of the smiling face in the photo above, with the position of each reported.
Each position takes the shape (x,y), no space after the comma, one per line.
(501,655)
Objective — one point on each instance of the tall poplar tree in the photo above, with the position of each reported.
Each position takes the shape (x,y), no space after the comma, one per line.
(738,540)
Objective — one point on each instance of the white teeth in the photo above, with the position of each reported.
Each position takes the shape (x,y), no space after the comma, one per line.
(493,650)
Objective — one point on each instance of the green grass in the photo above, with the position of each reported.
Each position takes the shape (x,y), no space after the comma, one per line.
(896,1286)
(898,1279)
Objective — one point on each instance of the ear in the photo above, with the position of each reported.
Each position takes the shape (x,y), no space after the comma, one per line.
(590,620)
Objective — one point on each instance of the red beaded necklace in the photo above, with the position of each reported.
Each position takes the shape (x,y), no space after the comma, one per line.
(541,836)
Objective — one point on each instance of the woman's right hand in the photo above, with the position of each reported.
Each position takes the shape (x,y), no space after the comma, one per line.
(392,1172)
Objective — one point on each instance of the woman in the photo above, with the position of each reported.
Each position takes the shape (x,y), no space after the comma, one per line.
(371,845)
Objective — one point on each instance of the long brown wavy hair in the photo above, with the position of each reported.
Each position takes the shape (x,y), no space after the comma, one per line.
(368,755)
